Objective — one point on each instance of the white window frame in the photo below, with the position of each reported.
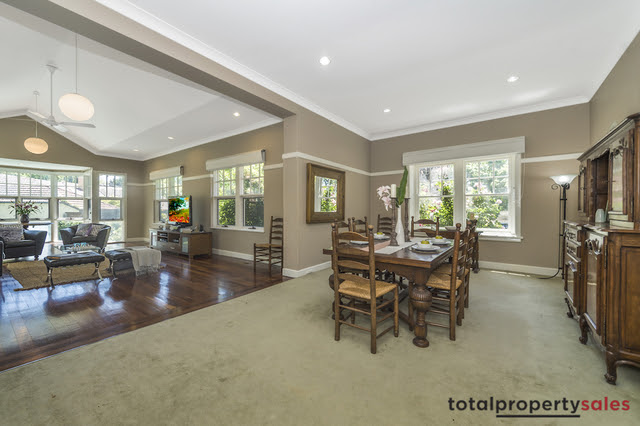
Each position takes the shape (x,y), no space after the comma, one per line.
(239,197)
(165,186)
(459,206)
(123,203)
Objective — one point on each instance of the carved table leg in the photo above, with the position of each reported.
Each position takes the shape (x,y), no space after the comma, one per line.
(569,312)
(584,328)
(612,374)
(421,300)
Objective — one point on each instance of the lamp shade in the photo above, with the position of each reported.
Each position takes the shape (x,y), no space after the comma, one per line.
(36,145)
(76,107)
(563,179)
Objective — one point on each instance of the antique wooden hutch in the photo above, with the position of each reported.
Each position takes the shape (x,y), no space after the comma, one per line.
(602,260)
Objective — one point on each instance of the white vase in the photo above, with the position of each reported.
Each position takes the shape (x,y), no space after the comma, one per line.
(399,228)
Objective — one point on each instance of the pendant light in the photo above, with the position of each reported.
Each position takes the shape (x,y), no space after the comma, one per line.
(36,145)
(73,105)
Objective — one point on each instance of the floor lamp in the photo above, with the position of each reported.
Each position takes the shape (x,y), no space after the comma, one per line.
(562,183)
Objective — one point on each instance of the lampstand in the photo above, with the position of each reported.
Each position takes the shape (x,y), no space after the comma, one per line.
(561,183)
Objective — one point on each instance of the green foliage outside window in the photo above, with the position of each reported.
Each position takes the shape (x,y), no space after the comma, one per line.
(227,212)
(254,212)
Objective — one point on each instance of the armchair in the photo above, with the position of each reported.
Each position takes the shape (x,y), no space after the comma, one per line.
(31,245)
(96,234)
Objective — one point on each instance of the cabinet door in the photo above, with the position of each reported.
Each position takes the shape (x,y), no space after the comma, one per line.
(619,178)
(571,280)
(594,285)
(582,188)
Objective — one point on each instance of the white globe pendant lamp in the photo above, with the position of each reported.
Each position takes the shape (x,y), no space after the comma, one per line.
(36,145)
(73,105)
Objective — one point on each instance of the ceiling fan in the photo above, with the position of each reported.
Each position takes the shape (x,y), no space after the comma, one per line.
(50,121)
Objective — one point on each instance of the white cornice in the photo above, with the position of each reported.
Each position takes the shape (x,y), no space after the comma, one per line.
(482,117)
(560,157)
(167,30)
(325,162)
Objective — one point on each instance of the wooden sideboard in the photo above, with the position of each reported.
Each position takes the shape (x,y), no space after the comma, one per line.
(187,243)
(602,260)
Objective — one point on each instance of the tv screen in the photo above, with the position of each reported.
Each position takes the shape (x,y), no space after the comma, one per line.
(180,210)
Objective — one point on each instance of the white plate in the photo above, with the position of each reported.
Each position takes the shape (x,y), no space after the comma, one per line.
(425,250)
(381,237)
(359,243)
(440,242)
(450,228)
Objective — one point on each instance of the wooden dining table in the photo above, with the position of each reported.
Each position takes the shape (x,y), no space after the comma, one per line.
(416,267)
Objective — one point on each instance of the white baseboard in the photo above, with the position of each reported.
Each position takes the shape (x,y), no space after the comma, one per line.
(235,254)
(512,267)
(298,273)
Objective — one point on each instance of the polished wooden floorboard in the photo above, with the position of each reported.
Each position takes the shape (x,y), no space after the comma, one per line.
(38,323)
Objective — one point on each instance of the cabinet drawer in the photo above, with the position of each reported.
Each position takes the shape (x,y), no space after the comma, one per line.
(163,245)
(574,249)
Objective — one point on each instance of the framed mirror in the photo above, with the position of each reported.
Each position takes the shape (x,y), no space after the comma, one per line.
(325,194)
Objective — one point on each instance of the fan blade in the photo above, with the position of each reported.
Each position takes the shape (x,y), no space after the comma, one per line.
(59,127)
(37,114)
(71,123)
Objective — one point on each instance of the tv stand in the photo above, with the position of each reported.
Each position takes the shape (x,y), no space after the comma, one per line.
(187,243)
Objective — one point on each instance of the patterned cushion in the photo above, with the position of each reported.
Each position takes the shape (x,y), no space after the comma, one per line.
(12,232)
(83,230)
(95,229)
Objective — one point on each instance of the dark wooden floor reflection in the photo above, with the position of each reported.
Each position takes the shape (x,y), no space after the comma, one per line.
(38,323)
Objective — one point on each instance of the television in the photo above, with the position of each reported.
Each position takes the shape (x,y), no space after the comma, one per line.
(180,211)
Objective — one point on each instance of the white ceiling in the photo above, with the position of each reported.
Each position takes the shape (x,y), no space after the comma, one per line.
(434,63)
(137,105)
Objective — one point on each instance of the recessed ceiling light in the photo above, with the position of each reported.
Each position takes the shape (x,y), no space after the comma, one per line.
(386,110)
(325,60)
(170,137)
(513,79)
(136,150)
(236,114)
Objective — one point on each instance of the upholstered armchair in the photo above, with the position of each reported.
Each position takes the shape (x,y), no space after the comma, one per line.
(31,244)
(91,233)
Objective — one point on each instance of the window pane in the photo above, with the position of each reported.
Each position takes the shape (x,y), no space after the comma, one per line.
(442,207)
(486,168)
(491,211)
(5,211)
(110,209)
(70,209)
(472,170)
(254,212)
(227,212)
(8,183)
(70,186)
(117,232)
(501,185)
(501,167)
(67,223)
(35,185)
(486,186)
(43,209)
(163,211)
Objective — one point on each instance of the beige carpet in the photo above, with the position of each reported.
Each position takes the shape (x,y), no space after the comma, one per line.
(269,358)
(32,274)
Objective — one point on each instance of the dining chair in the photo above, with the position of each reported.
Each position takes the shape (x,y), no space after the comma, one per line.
(472,253)
(429,231)
(385,225)
(352,288)
(447,290)
(360,226)
(273,251)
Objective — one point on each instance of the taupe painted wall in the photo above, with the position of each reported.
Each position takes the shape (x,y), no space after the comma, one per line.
(619,95)
(13,132)
(198,183)
(552,132)
(311,134)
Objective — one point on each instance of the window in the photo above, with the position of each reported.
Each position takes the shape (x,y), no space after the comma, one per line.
(70,189)
(239,197)
(111,193)
(486,187)
(435,192)
(166,188)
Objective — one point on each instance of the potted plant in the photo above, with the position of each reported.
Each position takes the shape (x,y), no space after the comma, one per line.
(24,209)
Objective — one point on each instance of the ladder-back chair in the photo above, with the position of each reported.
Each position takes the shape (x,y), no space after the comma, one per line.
(428,231)
(350,288)
(273,251)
